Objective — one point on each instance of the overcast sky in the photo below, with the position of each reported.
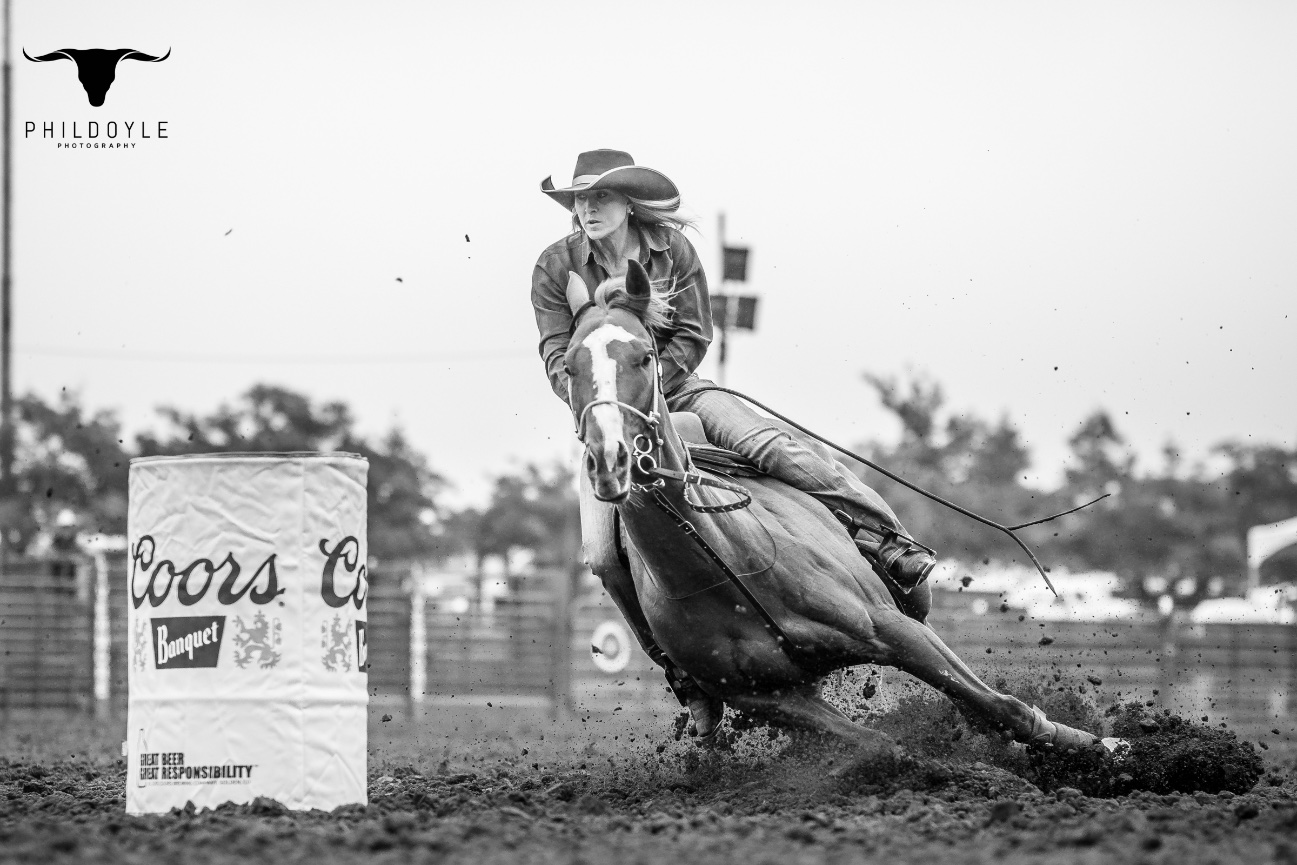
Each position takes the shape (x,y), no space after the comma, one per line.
(1048,208)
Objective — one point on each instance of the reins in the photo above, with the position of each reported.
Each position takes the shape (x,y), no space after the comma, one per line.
(1008,530)
(687,527)
(647,464)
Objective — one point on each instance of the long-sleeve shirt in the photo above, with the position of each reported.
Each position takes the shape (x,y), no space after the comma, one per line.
(668,256)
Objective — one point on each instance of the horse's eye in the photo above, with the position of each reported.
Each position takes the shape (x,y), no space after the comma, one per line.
(648,359)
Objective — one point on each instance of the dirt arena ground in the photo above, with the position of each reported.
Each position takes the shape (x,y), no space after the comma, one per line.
(494,783)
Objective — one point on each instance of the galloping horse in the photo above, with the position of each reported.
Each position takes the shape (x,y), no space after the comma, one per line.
(757,604)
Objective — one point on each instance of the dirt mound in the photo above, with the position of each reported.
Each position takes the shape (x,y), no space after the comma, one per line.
(1163,753)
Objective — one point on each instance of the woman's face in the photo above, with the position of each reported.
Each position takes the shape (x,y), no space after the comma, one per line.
(601,212)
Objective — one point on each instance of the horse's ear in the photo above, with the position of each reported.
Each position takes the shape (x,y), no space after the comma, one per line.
(637,281)
(577,294)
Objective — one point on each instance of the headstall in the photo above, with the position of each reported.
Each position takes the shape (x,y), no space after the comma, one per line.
(644,445)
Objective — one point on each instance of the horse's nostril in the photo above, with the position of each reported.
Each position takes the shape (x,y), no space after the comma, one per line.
(590,464)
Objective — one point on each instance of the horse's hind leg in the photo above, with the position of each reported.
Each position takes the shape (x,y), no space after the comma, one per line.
(917,650)
(803,709)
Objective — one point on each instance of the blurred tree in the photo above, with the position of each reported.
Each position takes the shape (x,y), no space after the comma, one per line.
(959,456)
(916,404)
(265,418)
(1262,483)
(1261,487)
(1101,457)
(402,491)
(533,510)
(1169,524)
(67,461)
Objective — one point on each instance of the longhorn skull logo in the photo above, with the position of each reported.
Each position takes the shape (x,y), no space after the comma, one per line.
(97,67)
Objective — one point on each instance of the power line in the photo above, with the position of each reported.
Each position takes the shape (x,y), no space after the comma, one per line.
(161,357)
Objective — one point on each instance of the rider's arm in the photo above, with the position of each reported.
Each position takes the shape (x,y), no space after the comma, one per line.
(553,320)
(692,319)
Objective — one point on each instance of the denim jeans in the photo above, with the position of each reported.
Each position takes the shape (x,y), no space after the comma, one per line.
(782,453)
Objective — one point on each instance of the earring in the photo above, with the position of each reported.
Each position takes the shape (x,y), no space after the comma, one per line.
(630,211)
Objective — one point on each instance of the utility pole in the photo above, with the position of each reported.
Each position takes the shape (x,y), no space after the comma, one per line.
(731,311)
(6,313)
(724,317)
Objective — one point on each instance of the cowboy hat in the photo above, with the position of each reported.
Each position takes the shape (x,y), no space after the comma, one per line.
(614,169)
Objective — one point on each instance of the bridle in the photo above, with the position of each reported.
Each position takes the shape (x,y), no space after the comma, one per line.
(644,445)
(653,419)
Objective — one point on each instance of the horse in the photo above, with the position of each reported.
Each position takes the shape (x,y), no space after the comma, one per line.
(758,603)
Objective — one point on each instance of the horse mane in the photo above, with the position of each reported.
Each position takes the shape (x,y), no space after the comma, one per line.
(654,311)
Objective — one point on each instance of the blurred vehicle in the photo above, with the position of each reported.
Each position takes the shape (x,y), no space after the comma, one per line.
(1269,605)
(1087,596)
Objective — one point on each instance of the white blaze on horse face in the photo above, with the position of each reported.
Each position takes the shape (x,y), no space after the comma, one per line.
(603,370)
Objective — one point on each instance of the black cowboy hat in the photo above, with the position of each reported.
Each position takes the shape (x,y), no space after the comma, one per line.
(614,169)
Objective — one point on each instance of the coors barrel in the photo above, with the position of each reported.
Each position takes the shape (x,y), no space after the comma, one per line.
(246,639)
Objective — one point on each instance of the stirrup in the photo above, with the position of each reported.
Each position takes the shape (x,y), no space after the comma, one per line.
(898,557)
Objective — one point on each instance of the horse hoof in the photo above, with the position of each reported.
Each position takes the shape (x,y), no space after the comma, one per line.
(707,714)
(1047,733)
(1112,743)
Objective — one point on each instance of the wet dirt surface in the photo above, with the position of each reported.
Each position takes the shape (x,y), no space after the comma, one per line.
(489,784)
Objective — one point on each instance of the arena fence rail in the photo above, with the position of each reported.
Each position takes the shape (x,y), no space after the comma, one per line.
(556,641)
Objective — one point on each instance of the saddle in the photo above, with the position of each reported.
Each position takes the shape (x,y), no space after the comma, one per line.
(707,456)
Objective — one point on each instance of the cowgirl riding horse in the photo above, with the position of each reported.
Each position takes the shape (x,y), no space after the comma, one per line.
(623,212)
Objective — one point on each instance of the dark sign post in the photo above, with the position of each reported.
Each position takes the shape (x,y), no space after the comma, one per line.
(6,318)
(735,263)
(732,311)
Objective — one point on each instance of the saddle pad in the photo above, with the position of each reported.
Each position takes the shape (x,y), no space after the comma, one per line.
(706,455)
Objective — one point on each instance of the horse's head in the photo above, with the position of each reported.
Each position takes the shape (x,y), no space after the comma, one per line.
(613,372)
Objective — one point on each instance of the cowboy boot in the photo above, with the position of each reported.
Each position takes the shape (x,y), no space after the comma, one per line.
(900,558)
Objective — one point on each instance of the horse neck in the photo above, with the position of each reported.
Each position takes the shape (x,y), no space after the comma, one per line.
(677,564)
(672,454)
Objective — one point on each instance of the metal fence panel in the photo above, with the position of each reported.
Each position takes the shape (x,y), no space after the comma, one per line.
(46,642)
(535,645)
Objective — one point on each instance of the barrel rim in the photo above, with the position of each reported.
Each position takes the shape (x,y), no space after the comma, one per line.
(279,455)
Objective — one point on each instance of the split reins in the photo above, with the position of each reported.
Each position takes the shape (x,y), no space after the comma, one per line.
(647,465)
(1011,531)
